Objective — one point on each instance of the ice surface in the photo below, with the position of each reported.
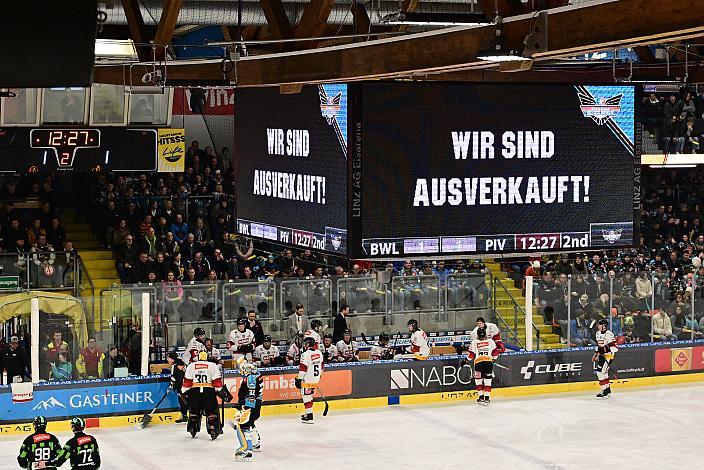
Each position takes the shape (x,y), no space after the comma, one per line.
(658,428)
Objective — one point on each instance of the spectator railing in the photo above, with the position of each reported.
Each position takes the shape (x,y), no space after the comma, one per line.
(466,290)
(314,294)
(515,325)
(190,206)
(44,270)
(364,295)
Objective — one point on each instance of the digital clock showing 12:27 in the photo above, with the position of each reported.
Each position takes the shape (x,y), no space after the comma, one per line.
(64,142)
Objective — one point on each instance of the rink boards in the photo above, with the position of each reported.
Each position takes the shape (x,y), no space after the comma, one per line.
(122,402)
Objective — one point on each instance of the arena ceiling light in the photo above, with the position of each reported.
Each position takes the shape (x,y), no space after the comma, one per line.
(436,19)
(115,49)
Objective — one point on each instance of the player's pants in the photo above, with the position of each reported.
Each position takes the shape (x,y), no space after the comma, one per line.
(307,394)
(602,372)
(483,373)
(202,400)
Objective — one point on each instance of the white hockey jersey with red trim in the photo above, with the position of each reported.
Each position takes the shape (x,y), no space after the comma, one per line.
(315,335)
(192,350)
(239,339)
(419,344)
(202,374)
(346,351)
(606,342)
(482,350)
(310,368)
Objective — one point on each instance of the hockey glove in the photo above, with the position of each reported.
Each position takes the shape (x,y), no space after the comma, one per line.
(225,395)
(298,382)
(609,357)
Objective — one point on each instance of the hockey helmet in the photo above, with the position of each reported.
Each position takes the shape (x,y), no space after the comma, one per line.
(309,342)
(77,424)
(315,324)
(242,321)
(266,338)
(247,368)
(481,333)
(413,324)
(203,356)
(198,332)
(383,338)
(347,332)
(39,423)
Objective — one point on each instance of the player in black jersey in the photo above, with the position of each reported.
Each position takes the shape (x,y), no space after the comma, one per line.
(81,450)
(40,446)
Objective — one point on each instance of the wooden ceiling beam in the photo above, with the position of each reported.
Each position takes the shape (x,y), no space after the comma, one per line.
(313,21)
(166,27)
(572,31)
(137,28)
(279,26)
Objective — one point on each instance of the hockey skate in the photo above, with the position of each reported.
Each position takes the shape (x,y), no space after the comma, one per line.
(243,456)
(604,393)
(480,400)
(182,419)
(307,419)
(257,448)
(486,401)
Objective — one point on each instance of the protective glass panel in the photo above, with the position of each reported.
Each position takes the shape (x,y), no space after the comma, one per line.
(107,104)
(64,105)
(149,109)
(22,109)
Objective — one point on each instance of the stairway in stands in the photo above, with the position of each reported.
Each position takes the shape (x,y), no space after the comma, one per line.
(98,261)
(505,309)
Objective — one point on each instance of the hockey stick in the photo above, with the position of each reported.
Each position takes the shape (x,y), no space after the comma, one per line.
(147,418)
(327,407)
(364,338)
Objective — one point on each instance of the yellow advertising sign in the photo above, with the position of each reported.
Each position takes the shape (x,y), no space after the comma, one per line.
(172,150)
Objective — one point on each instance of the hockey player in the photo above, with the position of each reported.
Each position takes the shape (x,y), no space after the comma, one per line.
(195,346)
(293,355)
(266,355)
(419,349)
(492,331)
(329,350)
(200,383)
(309,372)
(316,327)
(241,341)
(347,348)
(40,446)
(213,352)
(81,450)
(483,351)
(381,350)
(178,370)
(603,356)
(249,405)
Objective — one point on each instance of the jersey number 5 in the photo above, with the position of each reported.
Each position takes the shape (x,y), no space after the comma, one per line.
(316,370)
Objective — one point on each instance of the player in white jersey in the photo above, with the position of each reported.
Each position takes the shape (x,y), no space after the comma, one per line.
(309,372)
(381,350)
(241,341)
(419,349)
(213,352)
(483,351)
(201,383)
(316,326)
(195,345)
(293,355)
(265,354)
(347,348)
(603,356)
(492,331)
(329,350)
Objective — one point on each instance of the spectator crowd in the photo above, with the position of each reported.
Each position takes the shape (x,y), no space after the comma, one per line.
(673,120)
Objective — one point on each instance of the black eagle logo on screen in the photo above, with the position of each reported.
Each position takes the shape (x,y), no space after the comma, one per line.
(329,105)
(601,110)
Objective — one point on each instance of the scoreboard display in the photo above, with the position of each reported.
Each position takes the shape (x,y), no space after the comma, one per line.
(451,169)
(382,170)
(27,150)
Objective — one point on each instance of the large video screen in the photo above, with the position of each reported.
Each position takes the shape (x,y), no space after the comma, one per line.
(671,124)
(291,166)
(451,168)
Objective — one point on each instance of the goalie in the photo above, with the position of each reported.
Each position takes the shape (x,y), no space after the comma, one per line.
(249,405)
